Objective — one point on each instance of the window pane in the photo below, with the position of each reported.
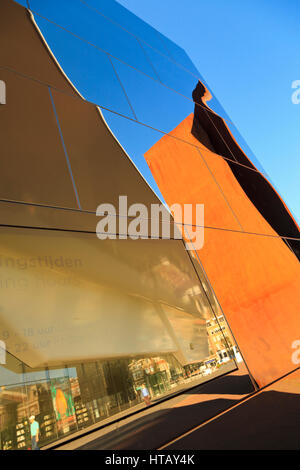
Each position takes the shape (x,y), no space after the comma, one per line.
(102,170)
(85,22)
(82,332)
(180,56)
(35,168)
(132,23)
(22,2)
(154,104)
(170,74)
(136,139)
(89,69)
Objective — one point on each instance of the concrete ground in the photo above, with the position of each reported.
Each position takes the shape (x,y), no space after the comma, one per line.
(270,420)
(160,424)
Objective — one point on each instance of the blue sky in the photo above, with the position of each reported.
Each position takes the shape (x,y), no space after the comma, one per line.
(248,52)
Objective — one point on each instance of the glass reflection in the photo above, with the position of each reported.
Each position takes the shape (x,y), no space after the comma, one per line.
(77,18)
(154,104)
(29,174)
(180,56)
(76,369)
(24,3)
(136,140)
(257,188)
(89,69)
(235,196)
(84,65)
(81,395)
(130,22)
(170,74)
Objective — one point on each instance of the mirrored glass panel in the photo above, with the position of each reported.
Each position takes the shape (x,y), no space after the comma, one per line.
(74,365)
(35,168)
(135,139)
(246,149)
(130,22)
(154,104)
(138,293)
(227,189)
(89,69)
(170,74)
(101,168)
(24,3)
(92,27)
(177,78)
(180,56)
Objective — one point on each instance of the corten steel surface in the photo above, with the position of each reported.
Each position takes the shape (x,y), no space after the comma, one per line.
(255,277)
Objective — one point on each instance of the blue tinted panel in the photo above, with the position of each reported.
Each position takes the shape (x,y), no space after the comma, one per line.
(180,80)
(180,56)
(153,103)
(77,17)
(170,74)
(246,149)
(22,2)
(136,140)
(214,104)
(88,68)
(130,22)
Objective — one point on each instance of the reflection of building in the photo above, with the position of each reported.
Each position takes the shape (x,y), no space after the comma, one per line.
(221,342)
(86,322)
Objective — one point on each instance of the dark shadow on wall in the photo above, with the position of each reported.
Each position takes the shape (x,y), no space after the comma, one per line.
(211,130)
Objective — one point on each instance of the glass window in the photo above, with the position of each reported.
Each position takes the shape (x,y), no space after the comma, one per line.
(180,56)
(93,27)
(81,269)
(246,149)
(36,169)
(136,139)
(100,167)
(88,68)
(132,23)
(153,103)
(171,74)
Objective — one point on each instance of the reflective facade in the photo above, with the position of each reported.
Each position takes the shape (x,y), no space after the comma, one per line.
(99,105)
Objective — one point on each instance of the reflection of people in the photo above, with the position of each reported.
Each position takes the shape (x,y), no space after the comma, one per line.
(145,394)
(35,432)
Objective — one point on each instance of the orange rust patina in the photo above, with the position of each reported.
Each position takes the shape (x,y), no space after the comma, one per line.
(255,275)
